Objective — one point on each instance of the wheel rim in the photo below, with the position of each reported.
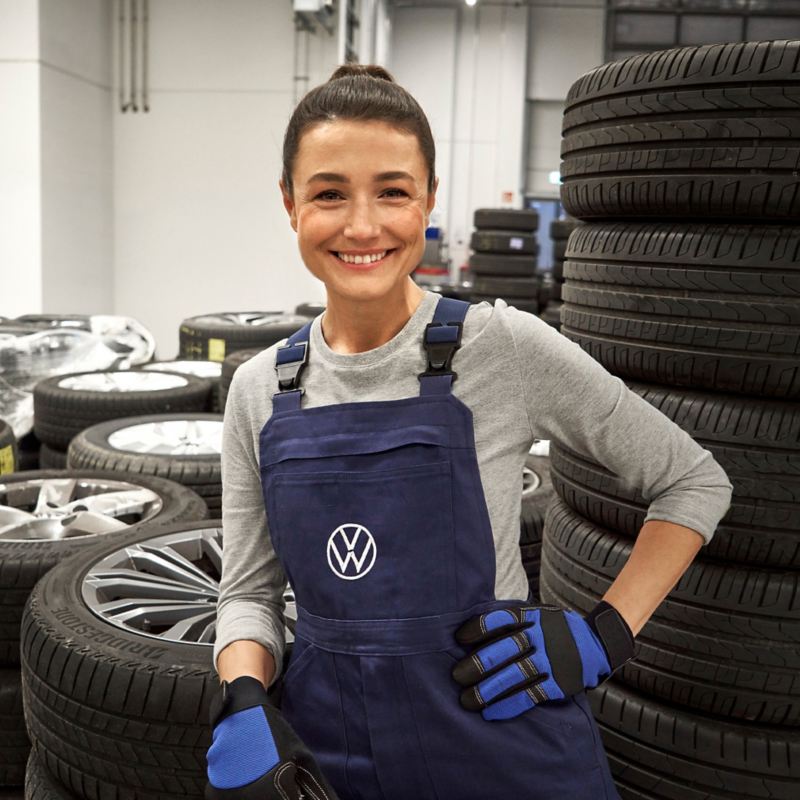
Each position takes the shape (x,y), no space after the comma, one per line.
(530,481)
(123,382)
(177,437)
(202,369)
(255,319)
(165,587)
(72,508)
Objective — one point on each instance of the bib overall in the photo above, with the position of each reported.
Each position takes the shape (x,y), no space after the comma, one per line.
(377,513)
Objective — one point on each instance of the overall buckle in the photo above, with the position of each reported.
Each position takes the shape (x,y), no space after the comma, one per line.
(441,342)
(289,364)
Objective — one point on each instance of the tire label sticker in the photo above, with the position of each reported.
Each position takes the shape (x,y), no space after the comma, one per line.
(6,459)
(515,243)
(216,349)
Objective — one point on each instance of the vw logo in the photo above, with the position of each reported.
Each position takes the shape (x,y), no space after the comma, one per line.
(351,551)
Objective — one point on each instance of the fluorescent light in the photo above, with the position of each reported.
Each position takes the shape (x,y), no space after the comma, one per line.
(470,2)
(554,177)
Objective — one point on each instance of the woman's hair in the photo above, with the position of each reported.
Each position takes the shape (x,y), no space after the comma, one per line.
(358,92)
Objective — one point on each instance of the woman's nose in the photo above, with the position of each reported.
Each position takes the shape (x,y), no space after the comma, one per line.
(361,222)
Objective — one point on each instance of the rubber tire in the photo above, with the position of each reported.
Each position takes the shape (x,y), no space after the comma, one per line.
(657,752)
(556,289)
(114,714)
(504,243)
(562,228)
(552,314)
(507,219)
(701,306)
(310,310)
(201,473)
(211,341)
(41,785)
(558,269)
(522,288)
(229,367)
(687,134)
(213,399)
(724,642)
(529,306)
(23,562)
(14,742)
(61,414)
(534,507)
(9,456)
(494,265)
(559,249)
(756,442)
(51,458)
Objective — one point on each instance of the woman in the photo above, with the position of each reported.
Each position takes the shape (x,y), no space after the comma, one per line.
(386,441)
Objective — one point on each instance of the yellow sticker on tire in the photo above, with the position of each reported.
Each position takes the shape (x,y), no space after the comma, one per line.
(216,349)
(6,459)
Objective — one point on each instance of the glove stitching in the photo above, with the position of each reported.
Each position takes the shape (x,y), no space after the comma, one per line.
(478,663)
(316,783)
(535,692)
(276,779)
(521,640)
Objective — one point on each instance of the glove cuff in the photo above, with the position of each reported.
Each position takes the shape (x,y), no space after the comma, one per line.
(613,632)
(244,692)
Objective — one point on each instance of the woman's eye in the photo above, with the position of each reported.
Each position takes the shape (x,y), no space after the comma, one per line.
(395,193)
(328,195)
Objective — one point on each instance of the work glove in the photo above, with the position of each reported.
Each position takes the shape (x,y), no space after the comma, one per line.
(255,754)
(525,655)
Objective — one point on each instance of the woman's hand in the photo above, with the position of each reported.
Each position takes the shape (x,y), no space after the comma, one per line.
(526,655)
(255,754)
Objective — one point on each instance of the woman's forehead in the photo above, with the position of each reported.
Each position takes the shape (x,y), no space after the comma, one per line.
(361,145)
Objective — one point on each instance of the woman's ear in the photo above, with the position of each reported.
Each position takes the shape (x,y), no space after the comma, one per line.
(288,204)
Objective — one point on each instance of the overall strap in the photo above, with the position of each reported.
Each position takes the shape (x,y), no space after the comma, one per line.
(290,360)
(442,339)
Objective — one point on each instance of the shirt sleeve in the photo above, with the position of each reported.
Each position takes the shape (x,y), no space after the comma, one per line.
(572,399)
(252,584)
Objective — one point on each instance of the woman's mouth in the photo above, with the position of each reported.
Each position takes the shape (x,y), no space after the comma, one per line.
(362,261)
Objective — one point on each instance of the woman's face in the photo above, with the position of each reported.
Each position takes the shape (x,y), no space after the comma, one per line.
(360,206)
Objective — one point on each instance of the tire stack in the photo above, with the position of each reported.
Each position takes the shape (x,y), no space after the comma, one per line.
(45,517)
(8,449)
(537,494)
(560,230)
(503,262)
(210,370)
(700,312)
(212,337)
(65,405)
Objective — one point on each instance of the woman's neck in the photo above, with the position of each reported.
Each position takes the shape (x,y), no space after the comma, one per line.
(355,326)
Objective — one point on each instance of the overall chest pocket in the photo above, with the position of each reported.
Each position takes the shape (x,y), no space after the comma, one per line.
(363,524)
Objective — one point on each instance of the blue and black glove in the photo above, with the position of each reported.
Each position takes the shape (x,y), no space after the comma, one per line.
(526,655)
(255,754)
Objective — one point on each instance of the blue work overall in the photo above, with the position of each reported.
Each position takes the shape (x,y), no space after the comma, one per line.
(378,515)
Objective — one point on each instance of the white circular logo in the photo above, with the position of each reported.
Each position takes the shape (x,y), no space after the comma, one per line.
(351,551)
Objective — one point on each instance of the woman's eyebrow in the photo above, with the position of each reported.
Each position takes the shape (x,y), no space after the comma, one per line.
(333,177)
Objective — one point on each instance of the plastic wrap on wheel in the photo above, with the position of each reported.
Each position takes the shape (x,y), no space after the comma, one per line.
(124,336)
(16,408)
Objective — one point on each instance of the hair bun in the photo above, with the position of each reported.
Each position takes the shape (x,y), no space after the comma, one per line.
(369,70)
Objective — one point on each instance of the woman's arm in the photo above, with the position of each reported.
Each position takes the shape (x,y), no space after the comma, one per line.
(246,657)
(662,553)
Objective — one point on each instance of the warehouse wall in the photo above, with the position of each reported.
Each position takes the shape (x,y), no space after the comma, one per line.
(76,149)
(20,169)
(565,41)
(199,224)
(467,68)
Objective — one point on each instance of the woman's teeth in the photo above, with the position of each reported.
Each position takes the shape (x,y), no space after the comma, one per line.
(362,259)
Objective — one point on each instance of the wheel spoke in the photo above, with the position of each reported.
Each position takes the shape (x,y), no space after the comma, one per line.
(129,583)
(54,495)
(118,504)
(167,563)
(90,522)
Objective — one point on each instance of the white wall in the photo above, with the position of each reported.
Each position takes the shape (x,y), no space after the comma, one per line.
(467,68)
(20,168)
(199,223)
(564,42)
(77,213)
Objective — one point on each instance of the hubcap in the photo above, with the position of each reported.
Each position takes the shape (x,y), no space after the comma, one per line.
(179,437)
(72,508)
(256,319)
(202,369)
(530,481)
(166,587)
(122,382)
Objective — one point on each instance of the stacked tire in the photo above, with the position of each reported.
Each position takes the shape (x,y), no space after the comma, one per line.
(560,230)
(65,405)
(8,449)
(46,517)
(700,313)
(503,262)
(212,337)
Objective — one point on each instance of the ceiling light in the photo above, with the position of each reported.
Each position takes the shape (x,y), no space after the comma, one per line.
(470,3)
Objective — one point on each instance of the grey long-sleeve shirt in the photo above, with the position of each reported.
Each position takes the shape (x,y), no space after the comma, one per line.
(523,381)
